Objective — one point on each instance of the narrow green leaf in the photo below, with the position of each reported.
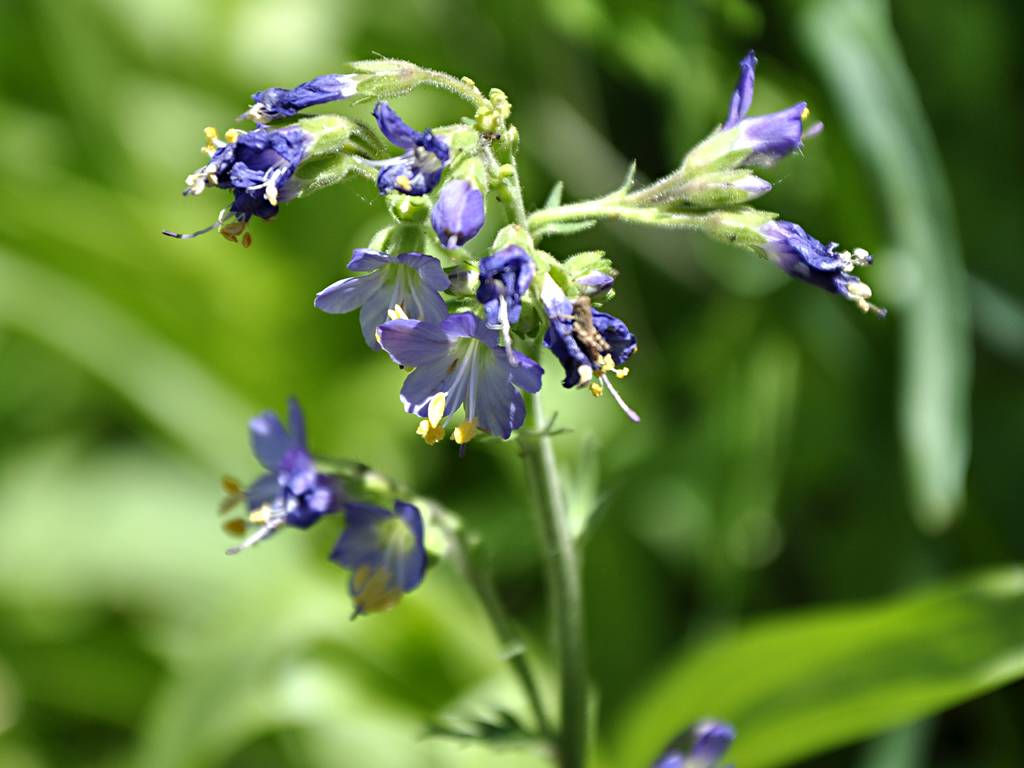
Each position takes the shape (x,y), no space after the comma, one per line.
(857,51)
(798,685)
(555,195)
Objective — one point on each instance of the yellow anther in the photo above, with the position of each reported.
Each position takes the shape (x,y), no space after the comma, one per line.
(465,432)
(621,373)
(596,388)
(586,373)
(260,516)
(403,183)
(431,435)
(230,485)
(231,135)
(211,139)
(806,113)
(271,195)
(397,313)
(435,411)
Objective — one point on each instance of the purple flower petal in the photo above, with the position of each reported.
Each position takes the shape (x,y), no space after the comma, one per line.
(458,215)
(348,294)
(394,128)
(269,439)
(365,260)
(413,343)
(744,93)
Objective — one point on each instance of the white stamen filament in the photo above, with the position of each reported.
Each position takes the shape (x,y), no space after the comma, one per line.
(618,399)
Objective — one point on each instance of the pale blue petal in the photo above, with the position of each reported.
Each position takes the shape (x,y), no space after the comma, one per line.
(365,260)
(347,294)
(268,439)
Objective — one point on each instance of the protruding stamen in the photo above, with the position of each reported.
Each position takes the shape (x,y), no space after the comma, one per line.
(430,428)
(506,330)
(257,537)
(618,399)
(190,235)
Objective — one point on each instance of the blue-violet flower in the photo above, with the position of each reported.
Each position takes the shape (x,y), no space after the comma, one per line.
(384,550)
(801,255)
(292,492)
(255,165)
(458,363)
(276,103)
(411,281)
(589,343)
(700,746)
(458,214)
(767,138)
(418,170)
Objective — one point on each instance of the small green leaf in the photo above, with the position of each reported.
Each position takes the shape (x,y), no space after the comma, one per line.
(555,195)
(798,685)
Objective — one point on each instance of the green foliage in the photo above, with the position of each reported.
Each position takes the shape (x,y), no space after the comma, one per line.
(801,684)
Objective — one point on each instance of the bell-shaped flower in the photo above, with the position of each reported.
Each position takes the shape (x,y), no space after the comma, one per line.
(411,281)
(276,103)
(505,278)
(255,166)
(458,214)
(801,255)
(589,344)
(418,170)
(292,491)
(458,363)
(384,550)
(700,746)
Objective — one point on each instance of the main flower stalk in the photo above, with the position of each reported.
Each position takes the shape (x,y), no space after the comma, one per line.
(562,564)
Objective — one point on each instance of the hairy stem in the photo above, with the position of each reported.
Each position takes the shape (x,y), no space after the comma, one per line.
(564,587)
(612,207)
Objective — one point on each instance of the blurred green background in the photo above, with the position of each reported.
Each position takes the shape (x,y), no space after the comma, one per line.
(794,455)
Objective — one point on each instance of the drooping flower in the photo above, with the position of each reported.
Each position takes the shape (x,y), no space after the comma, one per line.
(801,255)
(385,552)
(276,103)
(767,138)
(255,166)
(700,746)
(292,491)
(418,170)
(458,363)
(504,278)
(411,281)
(458,214)
(589,344)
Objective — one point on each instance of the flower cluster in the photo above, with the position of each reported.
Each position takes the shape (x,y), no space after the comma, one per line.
(383,549)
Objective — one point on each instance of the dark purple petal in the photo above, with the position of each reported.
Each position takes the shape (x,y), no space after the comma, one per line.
(595,283)
(527,373)
(296,423)
(414,343)
(359,544)
(414,563)
(506,274)
(458,215)
(276,103)
(496,404)
(262,491)
(711,739)
(744,93)
(617,334)
(394,128)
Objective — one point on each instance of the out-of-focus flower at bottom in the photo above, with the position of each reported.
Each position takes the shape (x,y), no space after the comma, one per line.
(699,746)
(384,550)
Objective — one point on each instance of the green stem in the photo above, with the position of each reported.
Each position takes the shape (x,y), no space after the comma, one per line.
(479,577)
(565,591)
(461,87)
(612,207)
